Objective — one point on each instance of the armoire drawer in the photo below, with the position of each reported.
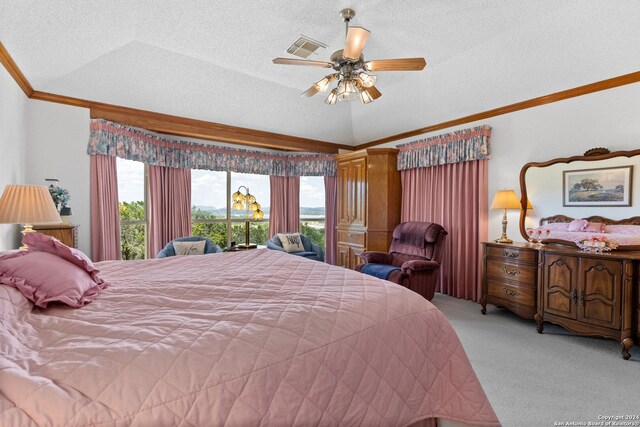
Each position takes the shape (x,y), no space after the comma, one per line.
(351,237)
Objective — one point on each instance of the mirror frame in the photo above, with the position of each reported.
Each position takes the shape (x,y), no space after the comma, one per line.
(592,155)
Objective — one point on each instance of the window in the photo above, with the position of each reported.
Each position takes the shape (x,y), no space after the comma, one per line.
(211,212)
(312,209)
(209,205)
(133,213)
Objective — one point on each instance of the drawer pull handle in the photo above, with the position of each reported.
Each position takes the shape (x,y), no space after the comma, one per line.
(510,292)
(511,254)
(511,271)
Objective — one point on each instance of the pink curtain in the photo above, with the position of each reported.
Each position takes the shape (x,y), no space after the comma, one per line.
(169,206)
(284,216)
(331,218)
(105,210)
(455,196)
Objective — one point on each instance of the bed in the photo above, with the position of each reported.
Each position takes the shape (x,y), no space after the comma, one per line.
(247,338)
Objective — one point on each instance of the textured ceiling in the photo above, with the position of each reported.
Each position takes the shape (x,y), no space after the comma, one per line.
(211,60)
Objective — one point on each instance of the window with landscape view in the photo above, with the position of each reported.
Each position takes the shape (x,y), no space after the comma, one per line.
(133,217)
(211,212)
(312,212)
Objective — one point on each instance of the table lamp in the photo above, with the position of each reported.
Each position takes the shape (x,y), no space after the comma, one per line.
(247,202)
(27,204)
(505,199)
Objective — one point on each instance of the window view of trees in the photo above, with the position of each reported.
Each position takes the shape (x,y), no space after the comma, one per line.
(312,212)
(209,212)
(133,220)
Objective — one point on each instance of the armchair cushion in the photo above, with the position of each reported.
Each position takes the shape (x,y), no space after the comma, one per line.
(377,257)
(291,242)
(169,250)
(309,247)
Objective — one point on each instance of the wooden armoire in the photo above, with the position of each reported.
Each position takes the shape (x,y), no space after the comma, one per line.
(369,197)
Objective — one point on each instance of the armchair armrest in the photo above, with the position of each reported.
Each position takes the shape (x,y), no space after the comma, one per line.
(420,265)
(273,246)
(377,257)
(318,249)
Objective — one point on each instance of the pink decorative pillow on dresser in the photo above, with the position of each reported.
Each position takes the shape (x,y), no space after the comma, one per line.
(38,242)
(577,225)
(595,227)
(43,277)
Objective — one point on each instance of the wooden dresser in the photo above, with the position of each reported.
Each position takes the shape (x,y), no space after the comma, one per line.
(509,277)
(586,293)
(66,233)
(369,197)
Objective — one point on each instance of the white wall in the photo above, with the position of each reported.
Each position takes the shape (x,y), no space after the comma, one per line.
(609,119)
(13,140)
(58,136)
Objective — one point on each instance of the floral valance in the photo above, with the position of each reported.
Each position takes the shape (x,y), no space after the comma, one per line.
(454,147)
(116,140)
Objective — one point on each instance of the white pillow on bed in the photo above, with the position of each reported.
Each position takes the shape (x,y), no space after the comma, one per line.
(291,242)
(189,248)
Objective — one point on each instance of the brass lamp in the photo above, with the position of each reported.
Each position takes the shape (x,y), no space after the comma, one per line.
(27,204)
(247,202)
(505,199)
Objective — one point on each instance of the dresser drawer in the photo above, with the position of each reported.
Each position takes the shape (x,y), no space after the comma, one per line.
(513,254)
(511,271)
(351,237)
(521,294)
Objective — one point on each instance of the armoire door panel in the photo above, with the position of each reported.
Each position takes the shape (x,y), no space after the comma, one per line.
(359,188)
(342,256)
(344,193)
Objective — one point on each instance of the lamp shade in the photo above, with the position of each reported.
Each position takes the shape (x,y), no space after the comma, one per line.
(505,199)
(27,204)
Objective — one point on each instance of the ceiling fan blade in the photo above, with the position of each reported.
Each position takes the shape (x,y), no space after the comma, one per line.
(303,62)
(353,45)
(311,91)
(404,64)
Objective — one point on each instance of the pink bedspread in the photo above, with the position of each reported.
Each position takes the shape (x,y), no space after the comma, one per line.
(249,338)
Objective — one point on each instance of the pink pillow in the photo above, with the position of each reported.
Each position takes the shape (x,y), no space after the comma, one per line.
(577,225)
(595,227)
(556,226)
(42,243)
(43,277)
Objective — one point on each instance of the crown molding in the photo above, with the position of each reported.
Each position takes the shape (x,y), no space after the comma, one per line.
(173,125)
(14,71)
(523,105)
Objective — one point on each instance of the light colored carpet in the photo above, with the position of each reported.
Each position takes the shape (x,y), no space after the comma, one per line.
(536,379)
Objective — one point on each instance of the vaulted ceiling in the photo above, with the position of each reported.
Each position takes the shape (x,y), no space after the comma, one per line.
(211,60)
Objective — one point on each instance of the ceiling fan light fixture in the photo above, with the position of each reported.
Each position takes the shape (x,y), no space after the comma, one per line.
(366,79)
(346,90)
(323,84)
(332,98)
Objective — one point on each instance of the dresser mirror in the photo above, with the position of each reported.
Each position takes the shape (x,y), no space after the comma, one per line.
(601,186)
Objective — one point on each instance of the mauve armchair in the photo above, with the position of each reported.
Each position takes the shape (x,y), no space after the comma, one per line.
(416,251)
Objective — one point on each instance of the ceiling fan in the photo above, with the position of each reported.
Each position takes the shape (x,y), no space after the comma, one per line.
(353,72)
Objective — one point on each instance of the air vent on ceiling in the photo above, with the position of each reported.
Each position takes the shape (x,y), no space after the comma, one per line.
(305,46)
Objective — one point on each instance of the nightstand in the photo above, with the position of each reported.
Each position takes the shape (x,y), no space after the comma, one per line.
(509,277)
(66,233)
